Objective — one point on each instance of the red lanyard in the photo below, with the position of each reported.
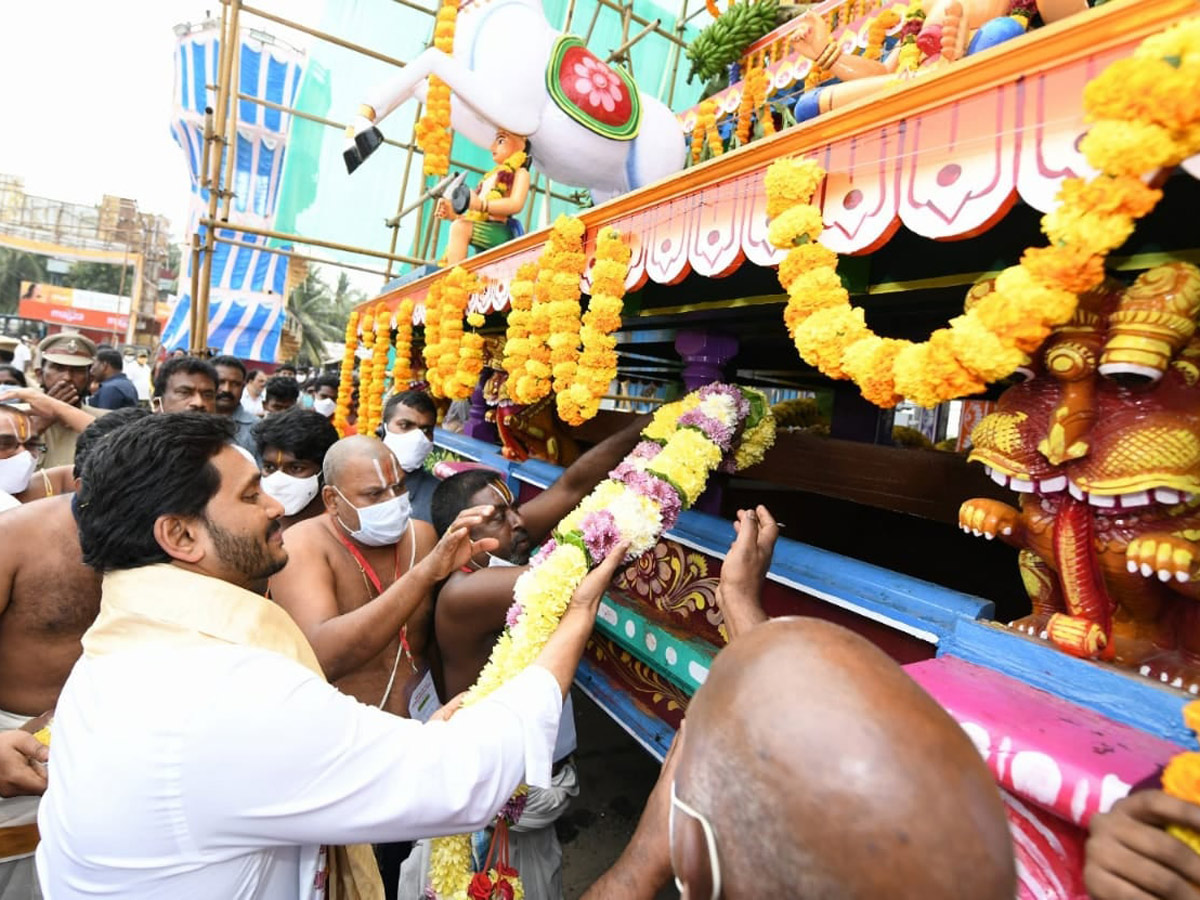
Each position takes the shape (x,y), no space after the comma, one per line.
(369,571)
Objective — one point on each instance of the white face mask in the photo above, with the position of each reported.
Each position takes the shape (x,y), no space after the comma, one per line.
(325,406)
(497,561)
(16,471)
(411,448)
(381,524)
(294,493)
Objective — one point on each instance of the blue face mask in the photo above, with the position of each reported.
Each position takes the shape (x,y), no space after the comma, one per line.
(306,401)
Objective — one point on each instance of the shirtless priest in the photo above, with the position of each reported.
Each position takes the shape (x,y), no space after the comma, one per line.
(469,617)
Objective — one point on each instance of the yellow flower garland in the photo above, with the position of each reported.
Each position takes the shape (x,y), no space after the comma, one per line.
(543,592)
(1131,137)
(747,103)
(598,361)
(708,113)
(366,372)
(551,348)
(341,415)
(402,366)
(877,31)
(517,343)
(433,130)
(378,367)
(433,337)
(510,165)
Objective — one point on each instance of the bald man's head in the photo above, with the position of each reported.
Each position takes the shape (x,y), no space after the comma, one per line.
(826,772)
(359,471)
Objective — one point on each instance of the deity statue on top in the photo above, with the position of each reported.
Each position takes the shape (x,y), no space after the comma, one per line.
(929,40)
(489,217)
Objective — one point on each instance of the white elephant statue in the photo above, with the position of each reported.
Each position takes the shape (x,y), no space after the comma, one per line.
(587,123)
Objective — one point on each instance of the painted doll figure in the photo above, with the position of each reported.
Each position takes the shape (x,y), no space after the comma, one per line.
(500,196)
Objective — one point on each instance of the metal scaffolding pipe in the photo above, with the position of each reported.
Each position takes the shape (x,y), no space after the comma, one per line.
(195,287)
(620,51)
(290,255)
(418,7)
(641,20)
(314,242)
(229,40)
(321,35)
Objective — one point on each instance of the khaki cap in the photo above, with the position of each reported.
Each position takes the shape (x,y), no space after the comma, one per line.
(68,349)
(8,343)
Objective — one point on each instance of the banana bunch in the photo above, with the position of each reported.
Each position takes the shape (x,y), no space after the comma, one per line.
(723,42)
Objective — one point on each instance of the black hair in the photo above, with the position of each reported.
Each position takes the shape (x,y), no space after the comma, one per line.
(303,433)
(188,365)
(289,366)
(101,428)
(15,373)
(418,400)
(111,357)
(282,387)
(454,495)
(251,374)
(326,380)
(528,154)
(161,465)
(229,362)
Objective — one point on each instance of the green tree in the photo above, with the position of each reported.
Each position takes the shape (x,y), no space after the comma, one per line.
(102,277)
(17,266)
(322,312)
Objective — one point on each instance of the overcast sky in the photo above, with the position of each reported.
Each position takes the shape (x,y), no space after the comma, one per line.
(86,97)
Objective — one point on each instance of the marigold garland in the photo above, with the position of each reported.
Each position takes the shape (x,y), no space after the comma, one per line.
(517,342)
(641,498)
(548,340)
(378,367)
(598,359)
(432,132)
(341,415)
(453,358)
(402,366)
(1181,778)
(877,30)
(1131,138)
(366,372)
(707,113)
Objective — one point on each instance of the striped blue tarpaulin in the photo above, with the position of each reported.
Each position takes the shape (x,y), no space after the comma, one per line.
(246,302)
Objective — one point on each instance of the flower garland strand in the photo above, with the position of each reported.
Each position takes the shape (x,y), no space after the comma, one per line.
(433,130)
(402,371)
(517,343)
(366,374)
(598,361)
(341,415)
(1181,778)
(433,336)
(378,363)
(563,263)
(639,500)
(1146,118)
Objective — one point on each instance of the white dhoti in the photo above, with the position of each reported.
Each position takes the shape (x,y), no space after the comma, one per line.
(18,879)
(533,848)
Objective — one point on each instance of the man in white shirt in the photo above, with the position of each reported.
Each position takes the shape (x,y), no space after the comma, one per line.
(252,398)
(138,371)
(197,750)
(23,354)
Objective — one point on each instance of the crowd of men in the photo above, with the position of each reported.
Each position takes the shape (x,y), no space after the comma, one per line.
(253,637)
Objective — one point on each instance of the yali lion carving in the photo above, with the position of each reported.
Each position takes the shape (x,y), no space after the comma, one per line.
(1103,444)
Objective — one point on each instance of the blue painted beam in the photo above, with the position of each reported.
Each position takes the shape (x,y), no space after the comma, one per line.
(1112,692)
(651,732)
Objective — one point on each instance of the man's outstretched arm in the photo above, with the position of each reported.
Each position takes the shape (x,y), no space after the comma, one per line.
(545,510)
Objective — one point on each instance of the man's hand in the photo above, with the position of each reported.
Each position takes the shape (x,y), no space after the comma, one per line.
(456,548)
(591,589)
(64,391)
(745,567)
(1131,857)
(20,774)
(443,713)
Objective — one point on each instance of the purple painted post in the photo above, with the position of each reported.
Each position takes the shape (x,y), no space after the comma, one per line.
(476,426)
(706,354)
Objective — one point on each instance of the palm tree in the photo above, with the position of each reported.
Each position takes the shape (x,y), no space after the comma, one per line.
(321,312)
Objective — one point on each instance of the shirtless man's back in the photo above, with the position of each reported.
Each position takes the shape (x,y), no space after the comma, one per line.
(322,580)
(48,599)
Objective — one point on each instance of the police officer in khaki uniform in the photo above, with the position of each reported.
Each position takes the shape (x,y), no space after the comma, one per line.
(64,370)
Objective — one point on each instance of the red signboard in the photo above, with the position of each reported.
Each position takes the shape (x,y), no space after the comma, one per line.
(71,315)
